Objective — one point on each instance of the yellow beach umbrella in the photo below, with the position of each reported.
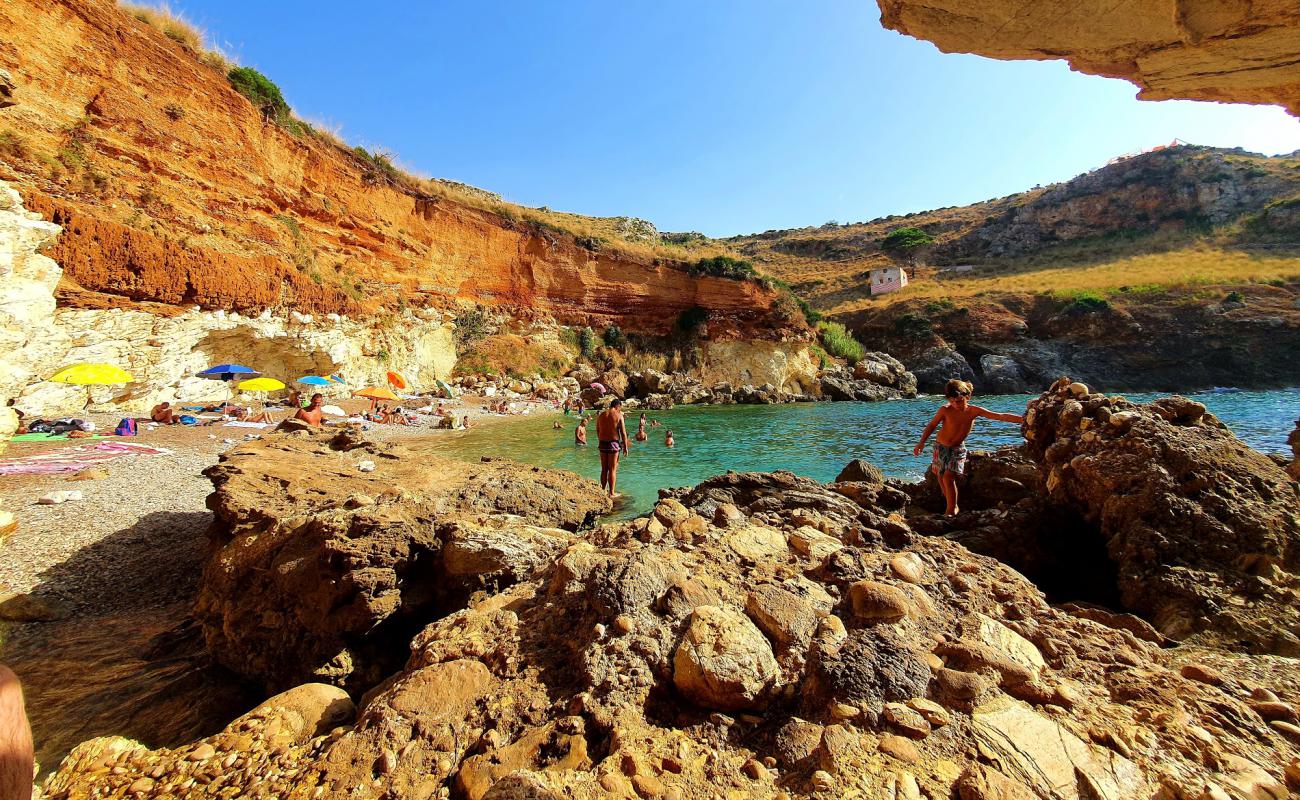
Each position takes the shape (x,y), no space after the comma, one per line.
(92,375)
(260,385)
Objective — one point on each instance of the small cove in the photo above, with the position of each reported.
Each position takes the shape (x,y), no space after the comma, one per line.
(811,439)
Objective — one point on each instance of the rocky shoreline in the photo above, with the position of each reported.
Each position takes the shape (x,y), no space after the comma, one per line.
(757,635)
(876,376)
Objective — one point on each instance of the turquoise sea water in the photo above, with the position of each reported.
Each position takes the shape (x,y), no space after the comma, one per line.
(811,439)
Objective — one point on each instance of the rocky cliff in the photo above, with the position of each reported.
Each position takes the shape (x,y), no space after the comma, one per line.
(174,188)
(994,299)
(1174,339)
(1197,50)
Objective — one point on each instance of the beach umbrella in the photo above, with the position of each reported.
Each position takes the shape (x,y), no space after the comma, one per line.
(260,385)
(314,380)
(334,411)
(444,387)
(375,393)
(227,372)
(337,379)
(396,380)
(92,375)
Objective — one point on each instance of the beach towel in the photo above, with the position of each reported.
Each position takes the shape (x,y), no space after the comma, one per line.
(75,459)
(45,437)
(189,419)
(239,424)
(126,427)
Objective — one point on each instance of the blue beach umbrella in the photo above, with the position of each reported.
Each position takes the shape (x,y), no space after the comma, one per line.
(314,380)
(337,379)
(227,372)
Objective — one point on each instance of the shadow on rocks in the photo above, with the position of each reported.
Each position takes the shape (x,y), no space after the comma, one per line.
(111,650)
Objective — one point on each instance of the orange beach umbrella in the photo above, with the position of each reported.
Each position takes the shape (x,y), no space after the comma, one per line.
(396,380)
(375,393)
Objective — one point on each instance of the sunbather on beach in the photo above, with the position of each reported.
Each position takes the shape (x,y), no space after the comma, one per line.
(163,413)
(312,414)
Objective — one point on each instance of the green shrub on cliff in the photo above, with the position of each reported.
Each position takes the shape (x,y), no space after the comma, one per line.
(724,267)
(839,342)
(264,94)
(614,337)
(690,320)
(587,342)
(1085,302)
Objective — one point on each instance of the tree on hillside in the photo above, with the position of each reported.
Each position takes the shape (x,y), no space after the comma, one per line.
(907,244)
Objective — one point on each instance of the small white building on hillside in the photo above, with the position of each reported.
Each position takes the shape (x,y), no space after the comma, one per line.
(887,279)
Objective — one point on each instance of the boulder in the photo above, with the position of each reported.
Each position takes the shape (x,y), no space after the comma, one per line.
(1001,375)
(936,366)
(1192,518)
(860,471)
(298,585)
(723,661)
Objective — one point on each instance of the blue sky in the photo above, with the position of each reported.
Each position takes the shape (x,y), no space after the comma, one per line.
(722,116)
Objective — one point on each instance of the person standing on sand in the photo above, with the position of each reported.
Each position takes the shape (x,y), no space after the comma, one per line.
(312,414)
(611,432)
(954,420)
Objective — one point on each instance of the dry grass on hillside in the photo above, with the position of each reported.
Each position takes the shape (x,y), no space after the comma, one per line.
(176,27)
(1142,272)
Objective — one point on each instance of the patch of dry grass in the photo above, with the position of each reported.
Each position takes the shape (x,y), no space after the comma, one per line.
(1148,271)
(176,27)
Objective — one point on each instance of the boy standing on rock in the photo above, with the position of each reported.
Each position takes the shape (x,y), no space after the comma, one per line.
(954,420)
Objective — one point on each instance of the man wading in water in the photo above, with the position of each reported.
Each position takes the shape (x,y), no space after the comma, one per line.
(612,435)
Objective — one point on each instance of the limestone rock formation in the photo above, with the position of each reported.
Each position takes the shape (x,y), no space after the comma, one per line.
(27,281)
(1200,50)
(704,651)
(1203,530)
(318,569)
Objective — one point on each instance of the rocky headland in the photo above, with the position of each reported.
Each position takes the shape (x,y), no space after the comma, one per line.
(757,635)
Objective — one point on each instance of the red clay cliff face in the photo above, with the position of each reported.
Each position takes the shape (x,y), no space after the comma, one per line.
(1241,52)
(173,188)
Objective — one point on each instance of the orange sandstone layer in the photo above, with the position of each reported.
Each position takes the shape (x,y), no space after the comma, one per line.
(172,188)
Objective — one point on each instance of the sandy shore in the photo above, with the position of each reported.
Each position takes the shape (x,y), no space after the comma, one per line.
(153,498)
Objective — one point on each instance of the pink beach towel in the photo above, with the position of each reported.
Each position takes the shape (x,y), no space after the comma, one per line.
(75,459)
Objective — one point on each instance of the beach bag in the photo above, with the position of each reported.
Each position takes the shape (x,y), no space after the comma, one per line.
(125,428)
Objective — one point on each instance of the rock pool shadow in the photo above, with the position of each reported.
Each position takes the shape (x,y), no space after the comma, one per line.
(124,658)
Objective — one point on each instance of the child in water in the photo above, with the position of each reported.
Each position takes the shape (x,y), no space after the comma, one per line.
(954,420)
(668,439)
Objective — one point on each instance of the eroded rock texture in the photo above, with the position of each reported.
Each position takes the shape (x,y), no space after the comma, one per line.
(322,572)
(1203,529)
(758,636)
(1221,50)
